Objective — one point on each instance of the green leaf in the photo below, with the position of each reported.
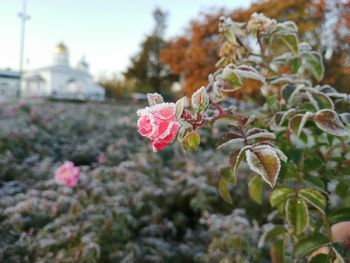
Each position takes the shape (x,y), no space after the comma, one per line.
(224,190)
(315,182)
(191,141)
(297,214)
(230,76)
(314,198)
(277,251)
(294,123)
(345,117)
(343,188)
(272,234)
(265,162)
(313,62)
(338,248)
(285,115)
(339,215)
(323,101)
(328,121)
(255,188)
(320,258)
(295,65)
(287,91)
(228,174)
(339,252)
(310,243)
(291,40)
(279,196)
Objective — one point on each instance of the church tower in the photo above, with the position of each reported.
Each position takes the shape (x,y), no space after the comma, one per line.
(83,65)
(61,56)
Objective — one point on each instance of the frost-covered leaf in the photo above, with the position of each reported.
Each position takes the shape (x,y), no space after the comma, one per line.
(247,121)
(231,77)
(248,72)
(298,121)
(279,196)
(200,100)
(291,40)
(328,121)
(287,34)
(234,143)
(236,158)
(306,116)
(262,134)
(339,253)
(280,154)
(326,89)
(265,162)
(227,137)
(180,105)
(310,243)
(154,98)
(314,198)
(345,117)
(224,191)
(272,234)
(297,214)
(254,131)
(312,100)
(313,62)
(294,123)
(285,115)
(287,91)
(323,101)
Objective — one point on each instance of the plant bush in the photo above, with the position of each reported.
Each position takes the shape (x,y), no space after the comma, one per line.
(296,141)
(130,206)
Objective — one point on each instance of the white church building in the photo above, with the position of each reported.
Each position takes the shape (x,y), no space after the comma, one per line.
(61,81)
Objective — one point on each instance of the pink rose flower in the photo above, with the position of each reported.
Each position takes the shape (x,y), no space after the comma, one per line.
(67,174)
(101,158)
(158,123)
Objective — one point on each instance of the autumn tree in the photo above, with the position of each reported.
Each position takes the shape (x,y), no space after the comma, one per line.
(192,55)
(146,70)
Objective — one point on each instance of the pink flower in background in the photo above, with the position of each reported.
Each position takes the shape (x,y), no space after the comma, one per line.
(101,158)
(158,123)
(67,174)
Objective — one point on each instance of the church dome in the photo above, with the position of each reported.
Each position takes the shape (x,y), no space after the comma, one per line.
(61,49)
(60,55)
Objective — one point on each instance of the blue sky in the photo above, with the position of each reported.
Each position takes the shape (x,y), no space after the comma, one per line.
(107,32)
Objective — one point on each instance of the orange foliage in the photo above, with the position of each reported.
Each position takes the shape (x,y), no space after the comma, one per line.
(193,56)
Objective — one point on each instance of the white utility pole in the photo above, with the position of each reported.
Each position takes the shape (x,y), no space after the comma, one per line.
(23,17)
